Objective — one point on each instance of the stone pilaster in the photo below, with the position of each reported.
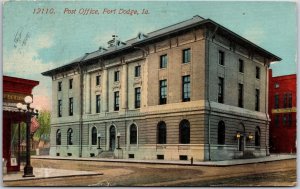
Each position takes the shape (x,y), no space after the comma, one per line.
(105,89)
(124,90)
(87,93)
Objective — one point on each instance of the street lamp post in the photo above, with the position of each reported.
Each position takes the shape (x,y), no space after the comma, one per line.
(118,135)
(99,138)
(29,113)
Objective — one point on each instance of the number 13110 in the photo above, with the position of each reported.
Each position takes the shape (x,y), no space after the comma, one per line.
(43,11)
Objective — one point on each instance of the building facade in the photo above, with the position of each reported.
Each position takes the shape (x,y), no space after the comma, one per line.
(282,112)
(190,90)
(14,91)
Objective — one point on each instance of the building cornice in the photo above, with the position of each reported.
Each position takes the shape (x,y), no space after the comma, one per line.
(169,31)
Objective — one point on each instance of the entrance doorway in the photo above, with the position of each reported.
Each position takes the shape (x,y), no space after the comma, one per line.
(241,143)
(241,140)
(112,138)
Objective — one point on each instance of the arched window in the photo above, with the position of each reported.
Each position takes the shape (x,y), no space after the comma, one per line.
(94,136)
(257,136)
(184,132)
(221,132)
(161,133)
(133,134)
(70,135)
(58,137)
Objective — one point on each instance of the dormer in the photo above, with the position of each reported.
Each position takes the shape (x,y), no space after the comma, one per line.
(115,42)
(102,49)
(141,36)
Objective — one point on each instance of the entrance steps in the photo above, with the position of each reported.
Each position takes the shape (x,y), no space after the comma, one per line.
(106,154)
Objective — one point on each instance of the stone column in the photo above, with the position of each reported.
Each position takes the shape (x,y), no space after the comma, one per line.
(104,93)
(124,93)
(144,86)
(87,93)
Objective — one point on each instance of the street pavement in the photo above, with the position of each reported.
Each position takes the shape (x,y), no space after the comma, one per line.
(58,171)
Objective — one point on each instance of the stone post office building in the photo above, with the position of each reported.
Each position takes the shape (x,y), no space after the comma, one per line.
(194,89)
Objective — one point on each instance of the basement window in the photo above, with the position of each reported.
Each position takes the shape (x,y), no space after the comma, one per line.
(160,157)
(130,155)
(183,157)
(69,154)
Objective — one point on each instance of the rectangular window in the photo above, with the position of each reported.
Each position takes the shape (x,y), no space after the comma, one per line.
(117,75)
(59,86)
(137,71)
(241,66)
(257,72)
(137,97)
(70,106)
(290,103)
(97,103)
(284,119)
(285,99)
(221,90)
(241,95)
(98,79)
(276,120)
(70,83)
(186,88)
(163,61)
(257,100)
(221,58)
(116,103)
(59,108)
(163,91)
(186,55)
(290,120)
(276,103)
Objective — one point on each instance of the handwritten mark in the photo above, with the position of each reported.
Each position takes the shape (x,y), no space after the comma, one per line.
(20,40)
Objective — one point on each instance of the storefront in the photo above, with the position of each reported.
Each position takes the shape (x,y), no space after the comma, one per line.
(14,91)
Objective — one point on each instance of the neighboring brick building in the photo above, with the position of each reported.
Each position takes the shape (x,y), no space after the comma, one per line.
(282,111)
(192,89)
(14,91)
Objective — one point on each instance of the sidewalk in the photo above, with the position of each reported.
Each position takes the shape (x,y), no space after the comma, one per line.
(44,173)
(275,157)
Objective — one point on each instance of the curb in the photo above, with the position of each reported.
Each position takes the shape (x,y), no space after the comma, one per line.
(53,177)
(185,163)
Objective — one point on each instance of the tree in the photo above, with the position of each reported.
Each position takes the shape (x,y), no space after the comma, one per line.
(43,132)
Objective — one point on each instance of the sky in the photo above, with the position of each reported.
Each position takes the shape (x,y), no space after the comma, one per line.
(34,42)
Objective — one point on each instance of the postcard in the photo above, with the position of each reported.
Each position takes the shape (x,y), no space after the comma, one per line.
(158,93)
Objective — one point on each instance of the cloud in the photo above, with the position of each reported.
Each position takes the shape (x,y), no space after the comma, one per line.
(24,61)
(255,34)
(103,38)
(42,97)
(44,41)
